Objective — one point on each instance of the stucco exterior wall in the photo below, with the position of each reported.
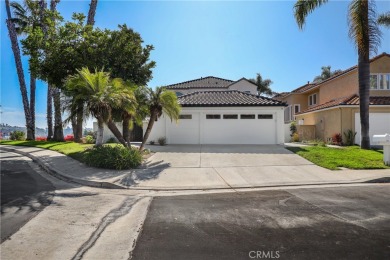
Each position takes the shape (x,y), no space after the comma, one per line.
(335,120)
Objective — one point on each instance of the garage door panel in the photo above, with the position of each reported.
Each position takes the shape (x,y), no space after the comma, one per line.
(238,131)
(379,124)
(185,131)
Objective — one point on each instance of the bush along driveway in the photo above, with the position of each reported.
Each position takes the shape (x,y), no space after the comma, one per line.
(351,157)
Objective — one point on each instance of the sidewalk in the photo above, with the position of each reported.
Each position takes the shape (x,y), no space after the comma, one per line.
(161,176)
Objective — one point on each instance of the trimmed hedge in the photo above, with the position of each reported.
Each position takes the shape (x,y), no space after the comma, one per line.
(113,157)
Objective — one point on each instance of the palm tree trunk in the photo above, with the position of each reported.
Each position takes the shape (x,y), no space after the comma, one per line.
(58,130)
(111,125)
(79,124)
(152,119)
(92,12)
(364,94)
(32,107)
(49,112)
(19,69)
(100,131)
(364,81)
(126,128)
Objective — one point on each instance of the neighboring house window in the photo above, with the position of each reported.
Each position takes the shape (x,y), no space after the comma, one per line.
(213,116)
(185,117)
(230,116)
(269,116)
(179,94)
(247,116)
(288,114)
(297,108)
(313,100)
(380,81)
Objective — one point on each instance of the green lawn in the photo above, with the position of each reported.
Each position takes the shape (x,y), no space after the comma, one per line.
(348,157)
(72,149)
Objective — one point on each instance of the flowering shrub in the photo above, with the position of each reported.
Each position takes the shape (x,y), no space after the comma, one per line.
(40,138)
(337,139)
(69,138)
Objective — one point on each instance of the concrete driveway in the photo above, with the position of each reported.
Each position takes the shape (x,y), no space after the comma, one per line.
(233,166)
(206,156)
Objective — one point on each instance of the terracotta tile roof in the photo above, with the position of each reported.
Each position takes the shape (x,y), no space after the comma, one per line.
(207,82)
(304,88)
(348,101)
(231,98)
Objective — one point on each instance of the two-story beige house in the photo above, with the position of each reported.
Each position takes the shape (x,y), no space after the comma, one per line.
(332,106)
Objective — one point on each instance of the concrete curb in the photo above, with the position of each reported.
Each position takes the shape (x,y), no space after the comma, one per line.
(63,176)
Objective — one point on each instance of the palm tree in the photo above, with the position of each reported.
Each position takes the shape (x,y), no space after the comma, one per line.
(263,85)
(325,74)
(384,19)
(92,12)
(363,29)
(129,117)
(159,101)
(100,97)
(19,68)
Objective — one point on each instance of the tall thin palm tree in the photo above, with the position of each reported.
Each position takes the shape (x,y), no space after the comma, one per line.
(160,101)
(263,85)
(78,119)
(92,12)
(363,29)
(100,96)
(19,69)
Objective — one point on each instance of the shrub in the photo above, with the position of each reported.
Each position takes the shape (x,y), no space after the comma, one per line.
(293,128)
(68,138)
(337,139)
(89,139)
(349,137)
(112,140)
(113,157)
(152,142)
(162,141)
(17,135)
(40,138)
(295,137)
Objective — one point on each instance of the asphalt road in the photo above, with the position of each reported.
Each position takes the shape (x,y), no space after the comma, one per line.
(24,193)
(321,223)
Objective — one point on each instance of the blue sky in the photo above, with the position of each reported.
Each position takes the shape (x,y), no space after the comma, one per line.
(230,40)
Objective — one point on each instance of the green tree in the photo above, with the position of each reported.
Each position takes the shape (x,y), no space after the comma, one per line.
(363,29)
(100,96)
(12,32)
(325,74)
(160,100)
(263,85)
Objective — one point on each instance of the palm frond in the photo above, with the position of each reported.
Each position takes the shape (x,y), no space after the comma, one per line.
(384,19)
(303,8)
(363,26)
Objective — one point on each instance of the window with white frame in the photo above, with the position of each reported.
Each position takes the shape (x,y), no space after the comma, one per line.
(380,81)
(313,100)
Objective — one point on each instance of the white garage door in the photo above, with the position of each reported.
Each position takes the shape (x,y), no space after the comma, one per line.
(223,128)
(185,131)
(379,124)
